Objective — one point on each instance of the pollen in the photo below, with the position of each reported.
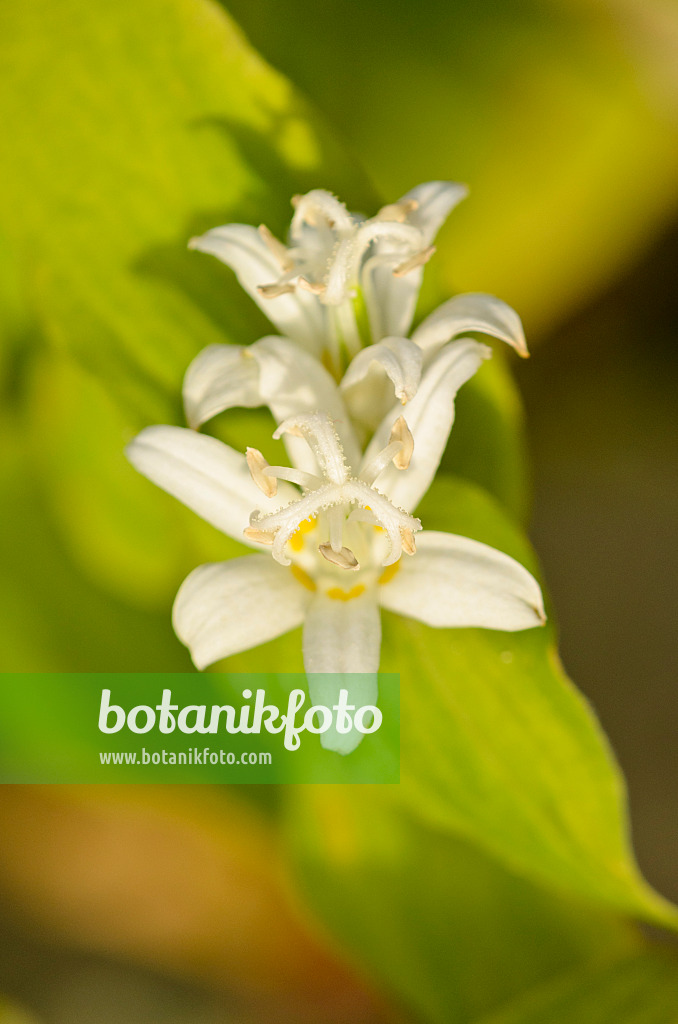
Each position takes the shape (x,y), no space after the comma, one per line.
(389,572)
(303,578)
(339,594)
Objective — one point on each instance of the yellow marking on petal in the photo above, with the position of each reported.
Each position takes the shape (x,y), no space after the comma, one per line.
(339,594)
(303,578)
(296,541)
(389,572)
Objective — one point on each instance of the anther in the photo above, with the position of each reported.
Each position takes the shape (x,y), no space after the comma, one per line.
(315,287)
(276,248)
(345,558)
(398,212)
(401,432)
(259,536)
(272,291)
(257,465)
(407,537)
(415,261)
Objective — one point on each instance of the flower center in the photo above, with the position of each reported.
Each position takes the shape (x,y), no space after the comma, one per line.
(332,253)
(340,523)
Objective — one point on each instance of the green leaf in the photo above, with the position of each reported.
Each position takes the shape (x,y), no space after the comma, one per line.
(443,927)
(487,443)
(637,990)
(134,125)
(499,747)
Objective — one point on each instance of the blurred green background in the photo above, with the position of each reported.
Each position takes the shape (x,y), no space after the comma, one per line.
(129,130)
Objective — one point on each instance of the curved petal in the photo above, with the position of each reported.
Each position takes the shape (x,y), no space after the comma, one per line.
(343,639)
(390,299)
(429,416)
(373,375)
(226,607)
(220,377)
(275,372)
(399,358)
(471,312)
(205,474)
(456,581)
(435,200)
(297,314)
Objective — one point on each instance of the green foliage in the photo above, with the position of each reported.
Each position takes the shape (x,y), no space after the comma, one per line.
(638,990)
(496,875)
(133,128)
(452,950)
(498,746)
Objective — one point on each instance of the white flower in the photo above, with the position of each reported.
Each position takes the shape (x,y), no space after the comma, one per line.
(307,288)
(337,524)
(308,291)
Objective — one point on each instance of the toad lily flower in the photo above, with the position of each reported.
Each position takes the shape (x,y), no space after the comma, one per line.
(307,288)
(337,535)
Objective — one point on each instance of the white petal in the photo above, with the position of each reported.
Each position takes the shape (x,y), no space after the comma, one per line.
(362,689)
(435,199)
(227,607)
(390,301)
(297,315)
(342,636)
(429,416)
(220,377)
(205,474)
(293,382)
(399,358)
(471,312)
(275,372)
(455,581)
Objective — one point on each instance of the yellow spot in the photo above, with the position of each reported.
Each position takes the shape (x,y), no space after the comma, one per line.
(339,594)
(303,578)
(389,572)
(296,541)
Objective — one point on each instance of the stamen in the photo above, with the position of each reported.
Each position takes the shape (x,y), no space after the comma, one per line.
(295,476)
(259,536)
(276,248)
(272,291)
(409,547)
(345,558)
(401,432)
(257,464)
(380,461)
(398,211)
(315,287)
(418,260)
(335,519)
